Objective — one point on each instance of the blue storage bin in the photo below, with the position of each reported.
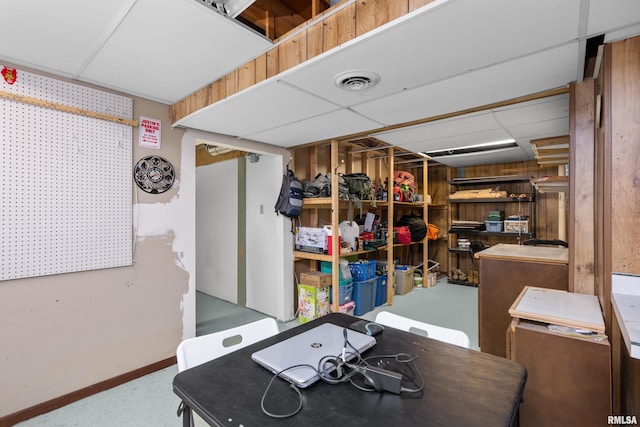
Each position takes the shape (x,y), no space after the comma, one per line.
(381,290)
(364,295)
(345,292)
(363,270)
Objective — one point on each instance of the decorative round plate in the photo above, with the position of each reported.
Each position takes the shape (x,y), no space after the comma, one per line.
(154,174)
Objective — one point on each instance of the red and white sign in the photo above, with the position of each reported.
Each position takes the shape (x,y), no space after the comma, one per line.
(150,132)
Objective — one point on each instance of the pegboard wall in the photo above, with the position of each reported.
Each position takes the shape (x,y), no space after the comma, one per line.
(66,180)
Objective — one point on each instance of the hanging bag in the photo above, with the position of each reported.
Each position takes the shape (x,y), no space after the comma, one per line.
(289,201)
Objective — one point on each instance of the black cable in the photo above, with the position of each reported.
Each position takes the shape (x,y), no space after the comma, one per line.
(266,391)
(348,371)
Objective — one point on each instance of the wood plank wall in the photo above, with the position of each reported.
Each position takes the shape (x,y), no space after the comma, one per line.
(298,46)
(582,192)
(621,201)
(546,203)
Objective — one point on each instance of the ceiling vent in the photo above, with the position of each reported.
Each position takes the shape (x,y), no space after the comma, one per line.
(355,81)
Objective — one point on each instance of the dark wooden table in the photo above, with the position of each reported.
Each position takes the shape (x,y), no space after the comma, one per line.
(462,387)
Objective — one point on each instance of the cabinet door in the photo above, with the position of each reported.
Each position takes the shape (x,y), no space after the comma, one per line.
(501,281)
(568,379)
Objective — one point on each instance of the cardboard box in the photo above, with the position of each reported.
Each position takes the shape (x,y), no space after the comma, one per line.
(312,303)
(316,279)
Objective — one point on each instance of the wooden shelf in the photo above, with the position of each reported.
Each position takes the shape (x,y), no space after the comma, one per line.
(489,233)
(325,202)
(494,200)
(489,180)
(552,184)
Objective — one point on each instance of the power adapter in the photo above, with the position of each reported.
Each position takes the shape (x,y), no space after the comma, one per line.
(383,379)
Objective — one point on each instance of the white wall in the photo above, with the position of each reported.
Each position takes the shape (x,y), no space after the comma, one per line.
(266,242)
(217,230)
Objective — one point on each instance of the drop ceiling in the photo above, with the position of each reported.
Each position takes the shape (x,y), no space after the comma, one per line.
(445,57)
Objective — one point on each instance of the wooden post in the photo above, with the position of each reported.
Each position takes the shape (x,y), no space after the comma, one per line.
(582,188)
(335,220)
(425,215)
(390,266)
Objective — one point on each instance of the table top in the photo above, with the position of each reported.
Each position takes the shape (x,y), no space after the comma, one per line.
(461,387)
(558,307)
(548,254)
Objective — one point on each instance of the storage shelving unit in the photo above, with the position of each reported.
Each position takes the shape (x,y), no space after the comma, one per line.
(316,208)
(520,200)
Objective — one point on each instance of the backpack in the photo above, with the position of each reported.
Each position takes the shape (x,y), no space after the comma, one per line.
(289,201)
(359,186)
(416,225)
(319,187)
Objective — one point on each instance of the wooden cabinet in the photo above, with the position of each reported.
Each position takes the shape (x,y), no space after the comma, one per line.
(505,270)
(568,373)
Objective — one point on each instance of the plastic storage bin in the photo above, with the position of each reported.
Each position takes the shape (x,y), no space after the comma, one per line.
(404,279)
(495,226)
(511,226)
(381,290)
(345,292)
(363,270)
(364,296)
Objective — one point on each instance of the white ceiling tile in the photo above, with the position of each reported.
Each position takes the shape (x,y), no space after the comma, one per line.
(467,124)
(168,49)
(342,122)
(532,112)
(262,107)
(608,15)
(470,27)
(58,36)
(543,71)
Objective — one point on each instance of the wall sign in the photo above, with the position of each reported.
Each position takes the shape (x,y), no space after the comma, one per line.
(150,133)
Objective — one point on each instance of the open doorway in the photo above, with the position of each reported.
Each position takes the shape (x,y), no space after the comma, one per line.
(243,249)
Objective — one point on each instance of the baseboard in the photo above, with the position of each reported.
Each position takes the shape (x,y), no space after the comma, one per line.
(59,402)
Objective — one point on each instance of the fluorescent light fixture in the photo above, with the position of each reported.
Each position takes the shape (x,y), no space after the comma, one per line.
(476,148)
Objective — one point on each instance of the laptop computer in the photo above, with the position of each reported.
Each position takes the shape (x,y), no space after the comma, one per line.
(308,348)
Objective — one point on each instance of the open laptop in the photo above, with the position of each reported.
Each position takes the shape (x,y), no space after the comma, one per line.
(308,348)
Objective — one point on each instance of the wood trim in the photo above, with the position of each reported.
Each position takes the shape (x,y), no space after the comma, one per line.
(581,188)
(66,108)
(74,396)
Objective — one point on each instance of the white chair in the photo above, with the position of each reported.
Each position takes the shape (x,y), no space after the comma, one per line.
(196,351)
(451,336)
